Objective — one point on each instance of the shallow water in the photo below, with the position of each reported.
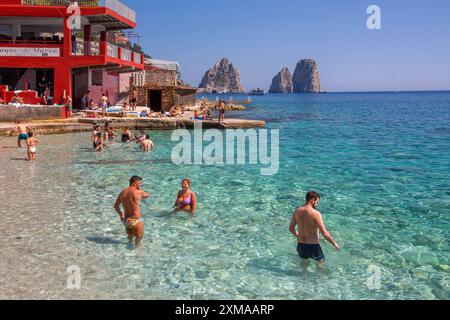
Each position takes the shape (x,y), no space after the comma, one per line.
(380,161)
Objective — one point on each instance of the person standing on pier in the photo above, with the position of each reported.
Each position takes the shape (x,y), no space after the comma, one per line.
(221,111)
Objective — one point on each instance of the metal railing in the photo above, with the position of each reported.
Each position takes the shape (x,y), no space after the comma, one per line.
(115,5)
(126,55)
(113,50)
(137,57)
(83,48)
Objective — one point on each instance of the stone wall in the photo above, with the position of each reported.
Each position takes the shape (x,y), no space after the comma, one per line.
(27,113)
(167,96)
(142,95)
(161,78)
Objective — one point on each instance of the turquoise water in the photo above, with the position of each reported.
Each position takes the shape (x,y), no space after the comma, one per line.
(380,161)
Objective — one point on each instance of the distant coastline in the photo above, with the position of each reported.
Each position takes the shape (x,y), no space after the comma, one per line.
(331,92)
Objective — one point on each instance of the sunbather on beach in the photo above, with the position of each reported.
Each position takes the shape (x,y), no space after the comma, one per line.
(309,223)
(32,143)
(16,99)
(197,116)
(23,135)
(130,199)
(186,198)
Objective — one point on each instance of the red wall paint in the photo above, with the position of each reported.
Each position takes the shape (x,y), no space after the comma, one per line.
(110,86)
(63,65)
(11,2)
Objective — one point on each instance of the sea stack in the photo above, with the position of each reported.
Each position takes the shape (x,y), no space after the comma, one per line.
(306,77)
(223,77)
(282,82)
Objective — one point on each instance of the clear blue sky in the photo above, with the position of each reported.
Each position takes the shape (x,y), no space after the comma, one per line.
(411,52)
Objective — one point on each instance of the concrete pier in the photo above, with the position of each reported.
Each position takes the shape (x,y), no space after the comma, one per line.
(86,124)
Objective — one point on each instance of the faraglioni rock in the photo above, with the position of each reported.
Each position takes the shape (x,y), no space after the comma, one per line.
(306,77)
(223,77)
(282,82)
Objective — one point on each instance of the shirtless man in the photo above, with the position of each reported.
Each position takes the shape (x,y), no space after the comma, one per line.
(32,142)
(147,145)
(23,135)
(130,199)
(309,222)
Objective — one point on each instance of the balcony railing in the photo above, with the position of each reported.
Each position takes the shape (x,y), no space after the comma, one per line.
(126,54)
(137,58)
(113,51)
(83,48)
(115,5)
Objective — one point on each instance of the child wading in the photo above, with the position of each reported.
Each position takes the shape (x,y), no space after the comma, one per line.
(32,143)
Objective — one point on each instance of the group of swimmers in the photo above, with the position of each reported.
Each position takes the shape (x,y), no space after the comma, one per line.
(306,223)
(27,135)
(130,199)
(99,137)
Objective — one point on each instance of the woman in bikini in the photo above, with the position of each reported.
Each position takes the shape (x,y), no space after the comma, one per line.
(186,199)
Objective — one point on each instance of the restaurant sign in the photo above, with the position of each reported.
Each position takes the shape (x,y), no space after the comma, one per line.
(29,52)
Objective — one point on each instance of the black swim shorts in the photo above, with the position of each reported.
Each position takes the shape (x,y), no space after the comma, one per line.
(310,251)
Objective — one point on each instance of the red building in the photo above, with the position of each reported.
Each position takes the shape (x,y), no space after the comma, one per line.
(65,42)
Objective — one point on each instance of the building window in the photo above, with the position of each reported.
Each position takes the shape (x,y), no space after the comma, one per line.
(97,77)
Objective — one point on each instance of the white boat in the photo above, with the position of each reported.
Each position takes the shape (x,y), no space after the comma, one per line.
(257,92)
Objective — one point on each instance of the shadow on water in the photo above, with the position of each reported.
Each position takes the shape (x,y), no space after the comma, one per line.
(280,266)
(294,117)
(276,265)
(112,162)
(163,214)
(104,240)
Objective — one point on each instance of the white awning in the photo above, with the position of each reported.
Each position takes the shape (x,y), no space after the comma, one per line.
(163,64)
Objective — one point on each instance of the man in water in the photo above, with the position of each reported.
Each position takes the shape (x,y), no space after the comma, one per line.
(147,145)
(23,135)
(130,199)
(309,222)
